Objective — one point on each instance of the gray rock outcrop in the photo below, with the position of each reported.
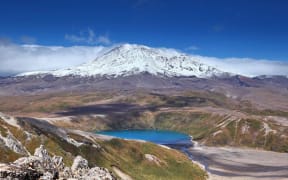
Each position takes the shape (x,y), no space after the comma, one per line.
(42,166)
(79,163)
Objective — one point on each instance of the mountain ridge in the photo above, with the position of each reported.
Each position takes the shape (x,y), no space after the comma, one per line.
(131,59)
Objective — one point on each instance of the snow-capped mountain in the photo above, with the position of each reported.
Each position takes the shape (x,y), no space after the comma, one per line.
(130,59)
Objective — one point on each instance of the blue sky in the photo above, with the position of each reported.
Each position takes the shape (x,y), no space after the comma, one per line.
(248,37)
(220,28)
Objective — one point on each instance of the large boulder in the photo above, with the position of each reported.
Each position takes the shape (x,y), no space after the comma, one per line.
(42,163)
(31,162)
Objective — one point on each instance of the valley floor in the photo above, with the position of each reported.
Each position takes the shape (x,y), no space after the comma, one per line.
(246,164)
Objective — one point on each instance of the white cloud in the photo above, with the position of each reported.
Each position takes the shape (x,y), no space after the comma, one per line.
(88,36)
(247,66)
(22,58)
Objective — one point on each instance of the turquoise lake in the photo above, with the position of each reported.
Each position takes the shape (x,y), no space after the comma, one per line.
(156,136)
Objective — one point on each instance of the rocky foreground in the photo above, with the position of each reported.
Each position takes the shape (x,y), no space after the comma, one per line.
(42,166)
(22,141)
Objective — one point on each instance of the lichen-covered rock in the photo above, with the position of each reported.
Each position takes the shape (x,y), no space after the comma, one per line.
(31,162)
(58,162)
(42,153)
(66,173)
(99,173)
(81,171)
(42,166)
(79,163)
(8,171)
(47,176)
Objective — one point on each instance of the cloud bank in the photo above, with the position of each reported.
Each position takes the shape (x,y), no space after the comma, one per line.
(16,59)
(247,66)
(22,58)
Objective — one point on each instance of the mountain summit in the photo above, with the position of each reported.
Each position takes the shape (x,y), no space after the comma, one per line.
(131,59)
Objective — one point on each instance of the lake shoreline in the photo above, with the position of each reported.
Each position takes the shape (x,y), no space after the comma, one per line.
(223,163)
(162,137)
